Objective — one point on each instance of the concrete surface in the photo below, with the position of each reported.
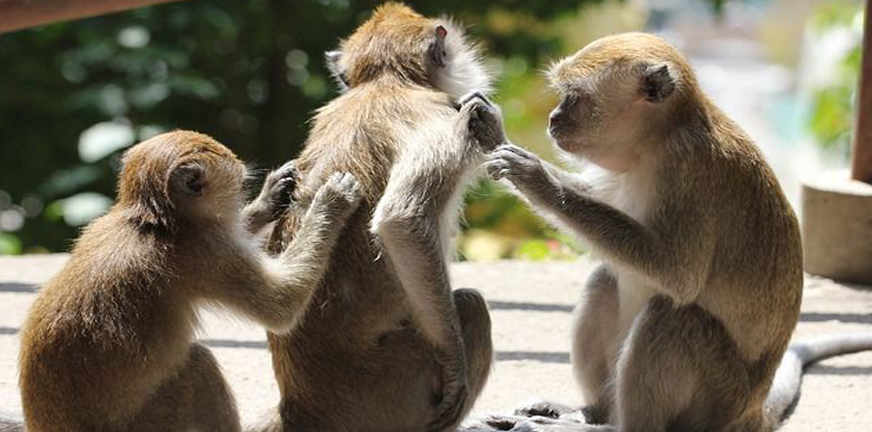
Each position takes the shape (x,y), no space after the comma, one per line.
(531,306)
(837,226)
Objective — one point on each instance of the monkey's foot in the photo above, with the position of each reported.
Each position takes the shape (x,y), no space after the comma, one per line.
(595,415)
(544,409)
(514,423)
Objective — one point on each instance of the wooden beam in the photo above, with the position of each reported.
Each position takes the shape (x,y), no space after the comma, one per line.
(20,14)
(861,164)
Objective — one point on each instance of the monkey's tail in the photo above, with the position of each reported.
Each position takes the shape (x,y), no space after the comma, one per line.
(788,378)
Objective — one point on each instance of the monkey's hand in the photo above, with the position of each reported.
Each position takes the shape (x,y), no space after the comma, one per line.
(523,169)
(454,390)
(274,197)
(338,198)
(483,120)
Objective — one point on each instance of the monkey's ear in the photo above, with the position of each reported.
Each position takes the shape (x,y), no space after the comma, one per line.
(188,180)
(657,83)
(437,48)
(332,58)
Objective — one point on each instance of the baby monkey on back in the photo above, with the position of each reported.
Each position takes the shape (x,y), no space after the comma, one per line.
(107,345)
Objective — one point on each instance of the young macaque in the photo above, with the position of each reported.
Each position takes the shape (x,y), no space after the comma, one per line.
(683,326)
(386,345)
(108,343)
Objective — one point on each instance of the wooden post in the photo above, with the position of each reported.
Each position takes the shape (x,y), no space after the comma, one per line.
(861,165)
(20,14)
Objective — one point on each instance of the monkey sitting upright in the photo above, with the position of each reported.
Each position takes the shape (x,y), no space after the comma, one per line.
(684,325)
(107,345)
(386,345)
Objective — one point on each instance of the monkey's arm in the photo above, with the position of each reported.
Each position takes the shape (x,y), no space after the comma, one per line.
(409,221)
(676,253)
(274,198)
(275,291)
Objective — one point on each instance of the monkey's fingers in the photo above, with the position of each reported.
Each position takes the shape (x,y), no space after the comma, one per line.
(520,163)
(341,192)
(278,191)
(497,169)
(288,169)
(465,99)
(349,185)
(286,172)
(513,149)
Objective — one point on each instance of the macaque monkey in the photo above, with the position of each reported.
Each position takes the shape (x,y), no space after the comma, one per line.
(108,343)
(386,345)
(683,326)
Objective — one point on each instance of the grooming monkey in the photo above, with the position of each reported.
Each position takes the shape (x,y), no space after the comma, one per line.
(107,345)
(685,324)
(386,345)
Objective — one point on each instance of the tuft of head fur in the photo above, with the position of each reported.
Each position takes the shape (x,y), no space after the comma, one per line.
(398,42)
(164,174)
(624,53)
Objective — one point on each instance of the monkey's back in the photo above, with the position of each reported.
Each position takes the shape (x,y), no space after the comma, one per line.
(756,288)
(100,330)
(360,299)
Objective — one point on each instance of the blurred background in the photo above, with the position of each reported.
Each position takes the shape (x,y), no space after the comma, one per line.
(74,95)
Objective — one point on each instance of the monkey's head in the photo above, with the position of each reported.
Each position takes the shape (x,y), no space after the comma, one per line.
(180,176)
(617,94)
(398,43)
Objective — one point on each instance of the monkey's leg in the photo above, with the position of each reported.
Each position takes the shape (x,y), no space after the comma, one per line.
(680,371)
(595,344)
(475,327)
(197,399)
(404,380)
(214,405)
(594,349)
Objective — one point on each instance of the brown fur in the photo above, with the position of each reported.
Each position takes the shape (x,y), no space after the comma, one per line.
(683,327)
(386,345)
(107,345)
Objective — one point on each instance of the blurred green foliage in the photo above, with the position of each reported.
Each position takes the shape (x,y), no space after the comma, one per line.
(832,116)
(74,95)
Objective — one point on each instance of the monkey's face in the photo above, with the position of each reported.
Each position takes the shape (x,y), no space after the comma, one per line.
(398,43)
(597,119)
(609,102)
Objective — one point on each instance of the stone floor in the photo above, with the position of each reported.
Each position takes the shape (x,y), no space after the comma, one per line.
(531,306)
